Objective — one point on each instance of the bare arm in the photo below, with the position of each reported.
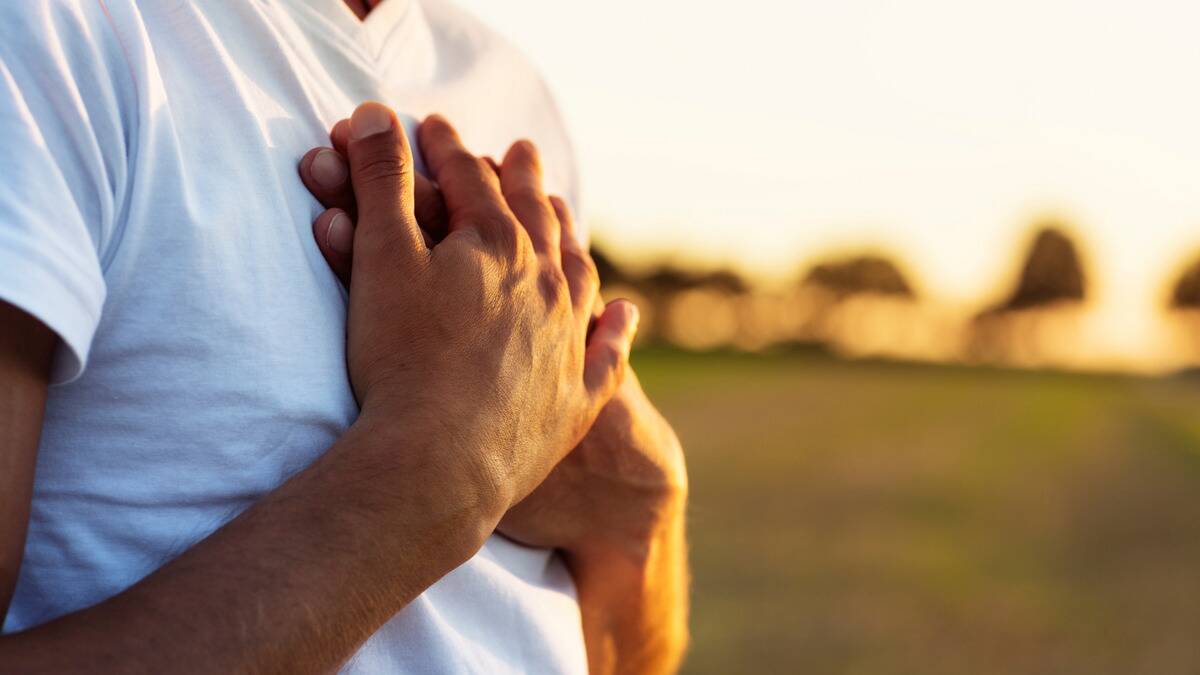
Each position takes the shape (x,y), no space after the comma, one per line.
(25,350)
(634,603)
(440,450)
(615,506)
(292,585)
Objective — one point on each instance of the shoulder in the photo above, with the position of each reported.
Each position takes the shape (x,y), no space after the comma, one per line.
(78,35)
(22,21)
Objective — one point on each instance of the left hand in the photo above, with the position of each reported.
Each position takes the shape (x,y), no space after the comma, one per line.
(614,492)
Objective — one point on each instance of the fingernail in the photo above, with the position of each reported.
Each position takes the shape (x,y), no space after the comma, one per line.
(328,169)
(633,314)
(340,235)
(369,120)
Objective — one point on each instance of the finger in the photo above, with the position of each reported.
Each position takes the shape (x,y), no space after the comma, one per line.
(324,172)
(334,233)
(340,136)
(607,353)
(381,170)
(431,209)
(565,219)
(470,189)
(521,184)
(595,314)
(577,265)
(492,163)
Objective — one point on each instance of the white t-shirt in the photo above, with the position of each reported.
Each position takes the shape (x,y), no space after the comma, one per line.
(151,215)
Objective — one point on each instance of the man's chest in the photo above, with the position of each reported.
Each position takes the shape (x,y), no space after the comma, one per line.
(221,315)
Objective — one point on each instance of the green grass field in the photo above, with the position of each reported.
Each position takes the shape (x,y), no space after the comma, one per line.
(870,518)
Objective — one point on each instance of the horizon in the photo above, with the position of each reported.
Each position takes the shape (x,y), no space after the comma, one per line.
(933,133)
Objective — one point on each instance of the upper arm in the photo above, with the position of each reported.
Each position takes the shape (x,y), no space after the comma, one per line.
(66,111)
(26,347)
(64,87)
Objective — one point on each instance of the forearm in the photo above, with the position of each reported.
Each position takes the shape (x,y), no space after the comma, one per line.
(634,603)
(294,584)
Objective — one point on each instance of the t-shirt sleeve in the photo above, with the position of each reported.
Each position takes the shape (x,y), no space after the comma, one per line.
(63,156)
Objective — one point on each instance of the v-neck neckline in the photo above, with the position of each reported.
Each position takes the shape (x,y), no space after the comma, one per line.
(369,34)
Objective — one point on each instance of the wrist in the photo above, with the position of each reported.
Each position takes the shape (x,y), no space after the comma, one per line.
(403,479)
(634,548)
(633,602)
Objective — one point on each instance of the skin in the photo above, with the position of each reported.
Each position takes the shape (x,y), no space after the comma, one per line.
(615,504)
(26,347)
(624,543)
(478,346)
(361,7)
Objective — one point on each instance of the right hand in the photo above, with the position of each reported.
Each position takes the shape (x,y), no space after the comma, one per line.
(475,347)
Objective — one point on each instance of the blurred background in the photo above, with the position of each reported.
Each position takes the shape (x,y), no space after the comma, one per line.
(921,293)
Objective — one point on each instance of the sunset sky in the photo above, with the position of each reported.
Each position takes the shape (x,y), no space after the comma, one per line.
(762,134)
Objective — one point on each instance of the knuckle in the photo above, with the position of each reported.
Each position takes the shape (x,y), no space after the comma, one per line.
(387,245)
(466,241)
(555,284)
(526,195)
(381,167)
(505,235)
(462,162)
(522,245)
(583,268)
(610,354)
(590,270)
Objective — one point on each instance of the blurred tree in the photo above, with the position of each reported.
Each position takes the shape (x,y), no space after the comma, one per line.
(1033,324)
(610,272)
(727,281)
(668,279)
(865,274)
(1185,294)
(657,290)
(1052,273)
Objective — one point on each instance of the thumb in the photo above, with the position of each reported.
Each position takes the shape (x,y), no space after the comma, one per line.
(607,353)
(381,170)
